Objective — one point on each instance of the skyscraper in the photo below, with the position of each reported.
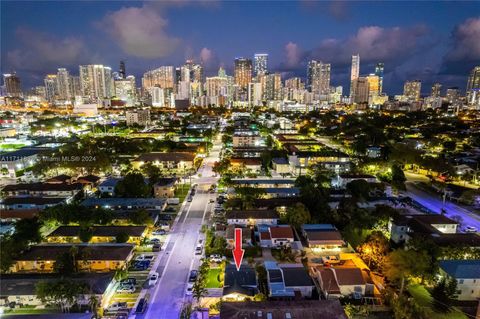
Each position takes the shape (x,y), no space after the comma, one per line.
(96,81)
(12,85)
(161,77)
(361,90)
(125,89)
(473,86)
(273,87)
(453,95)
(261,63)
(121,70)
(318,77)
(379,72)
(436,90)
(50,87)
(373,87)
(243,72)
(64,91)
(355,72)
(412,90)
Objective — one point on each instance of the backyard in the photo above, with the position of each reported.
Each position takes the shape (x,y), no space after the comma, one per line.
(423,298)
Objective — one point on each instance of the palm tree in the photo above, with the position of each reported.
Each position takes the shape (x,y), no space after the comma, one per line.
(186,311)
(93,303)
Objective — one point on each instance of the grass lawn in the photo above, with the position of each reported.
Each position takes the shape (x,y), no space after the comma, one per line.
(212,278)
(423,298)
(31,311)
(181,191)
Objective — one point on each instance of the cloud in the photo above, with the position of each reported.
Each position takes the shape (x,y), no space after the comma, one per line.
(293,54)
(464,50)
(140,31)
(373,43)
(206,55)
(41,51)
(338,9)
(209,59)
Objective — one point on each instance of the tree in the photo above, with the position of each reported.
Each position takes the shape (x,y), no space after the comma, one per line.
(359,189)
(400,264)
(63,292)
(248,195)
(122,237)
(85,234)
(140,217)
(198,289)
(187,310)
(443,293)
(93,303)
(374,249)
(133,186)
(297,215)
(398,177)
(28,230)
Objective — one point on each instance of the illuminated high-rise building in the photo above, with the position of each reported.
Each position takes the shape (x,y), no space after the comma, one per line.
(373,87)
(436,90)
(379,68)
(318,77)
(260,63)
(64,90)
(361,90)
(50,82)
(355,72)
(122,71)
(12,85)
(453,95)
(273,87)
(243,72)
(294,84)
(473,87)
(125,89)
(412,89)
(162,77)
(96,81)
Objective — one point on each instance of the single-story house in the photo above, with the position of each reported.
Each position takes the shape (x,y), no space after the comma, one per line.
(239,285)
(165,187)
(230,235)
(467,275)
(252,217)
(90,258)
(288,281)
(100,234)
(323,237)
(277,236)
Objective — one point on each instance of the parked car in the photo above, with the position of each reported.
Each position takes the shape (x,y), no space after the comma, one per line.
(152,281)
(159,232)
(141,306)
(470,229)
(144,257)
(198,250)
(189,289)
(211,200)
(189,199)
(126,289)
(128,281)
(217,258)
(116,306)
(156,247)
(140,265)
(154,241)
(193,275)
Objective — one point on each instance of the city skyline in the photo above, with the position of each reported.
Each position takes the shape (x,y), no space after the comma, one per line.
(439,47)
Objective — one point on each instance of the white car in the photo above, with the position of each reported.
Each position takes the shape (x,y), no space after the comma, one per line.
(217,258)
(152,281)
(116,306)
(189,289)
(470,229)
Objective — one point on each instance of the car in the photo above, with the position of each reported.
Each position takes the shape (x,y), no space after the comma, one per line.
(189,289)
(141,306)
(211,200)
(193,275)
(159,232)
(116,306)
(189,199)
(470,229)
(152,280)
(144,257)
(198,250)
(140,265)
(156,247)
(128,281)
(154,241)
(126,289)
(217,258)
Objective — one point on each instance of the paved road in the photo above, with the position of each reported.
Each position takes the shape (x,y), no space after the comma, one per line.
(434,203)
(167,297)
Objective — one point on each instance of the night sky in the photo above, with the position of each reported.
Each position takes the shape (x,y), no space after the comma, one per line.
(431,41)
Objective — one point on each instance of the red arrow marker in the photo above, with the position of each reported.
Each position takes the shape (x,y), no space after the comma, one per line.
(238,251)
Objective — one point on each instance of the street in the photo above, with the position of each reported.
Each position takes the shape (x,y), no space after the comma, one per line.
(178,257)
(434,203)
